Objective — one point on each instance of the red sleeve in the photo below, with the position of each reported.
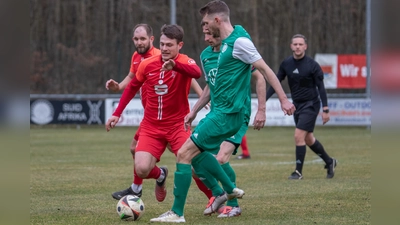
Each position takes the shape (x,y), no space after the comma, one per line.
(187,66)
(129,92)
(132,69)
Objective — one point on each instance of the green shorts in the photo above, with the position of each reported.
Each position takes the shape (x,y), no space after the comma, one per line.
(236,139)
(215,128)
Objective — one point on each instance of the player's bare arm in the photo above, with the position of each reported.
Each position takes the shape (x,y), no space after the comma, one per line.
(204,99)
(261,87)
(113,85)
(287,107)
(126,97)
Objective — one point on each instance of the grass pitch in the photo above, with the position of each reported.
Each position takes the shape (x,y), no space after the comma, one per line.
(74,171)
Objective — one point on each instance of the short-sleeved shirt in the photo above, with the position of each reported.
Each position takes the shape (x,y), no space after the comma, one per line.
(232,81)
(229,87)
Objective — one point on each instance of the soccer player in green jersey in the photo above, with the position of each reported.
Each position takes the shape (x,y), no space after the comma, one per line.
(231,89)
(209,58)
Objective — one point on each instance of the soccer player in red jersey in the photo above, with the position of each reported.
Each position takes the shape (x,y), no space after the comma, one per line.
(168,78)
(143,40)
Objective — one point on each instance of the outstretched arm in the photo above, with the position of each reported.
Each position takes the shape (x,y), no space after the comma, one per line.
(126,97)
(287,107)
(203,101)
(259,119)
(196,87)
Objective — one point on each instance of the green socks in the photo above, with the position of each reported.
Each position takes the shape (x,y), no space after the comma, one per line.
(182,180)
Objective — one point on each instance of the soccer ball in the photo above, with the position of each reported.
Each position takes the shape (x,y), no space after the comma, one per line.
(130,207)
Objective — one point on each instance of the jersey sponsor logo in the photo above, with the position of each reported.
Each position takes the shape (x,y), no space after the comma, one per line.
(296,71)
(161,89)
(212,74)
(191,61)
(136,62)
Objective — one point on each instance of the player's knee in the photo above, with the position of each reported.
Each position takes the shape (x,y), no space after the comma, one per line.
(142,172)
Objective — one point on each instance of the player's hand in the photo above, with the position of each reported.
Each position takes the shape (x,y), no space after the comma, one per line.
(288,108)
(168,65)
(112,85)
(187,122)
(259,120)
(111,122)
(325,118)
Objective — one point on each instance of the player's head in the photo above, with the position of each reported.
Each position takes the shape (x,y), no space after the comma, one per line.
(213,13)
(171,41)
(213,40)
(143,37)
(298,45)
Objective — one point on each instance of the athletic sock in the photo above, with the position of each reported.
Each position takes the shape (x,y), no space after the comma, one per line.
(203,187)
(136,188)
(243,145)
(320,151)
(232,176)
(182,180)
(162,176)
(155,173)
(136,179)
(300,155)
(211,165)
(208,179)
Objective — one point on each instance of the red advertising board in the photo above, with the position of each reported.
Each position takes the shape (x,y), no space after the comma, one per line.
(352,71)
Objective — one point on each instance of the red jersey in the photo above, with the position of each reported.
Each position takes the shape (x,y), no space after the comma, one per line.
(136,60)
(167,93)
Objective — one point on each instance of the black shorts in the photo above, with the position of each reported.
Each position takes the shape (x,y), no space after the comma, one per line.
(306,114)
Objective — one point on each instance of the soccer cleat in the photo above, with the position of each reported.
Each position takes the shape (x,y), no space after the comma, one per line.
(220,209)
(243,157)
(169,217)
(330,169)
(296,175)
(236,193)
(215,203)
(161,190)
(119,194)
(229,211)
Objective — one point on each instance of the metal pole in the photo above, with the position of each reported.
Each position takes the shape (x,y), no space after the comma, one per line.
(368,45)
(172,4)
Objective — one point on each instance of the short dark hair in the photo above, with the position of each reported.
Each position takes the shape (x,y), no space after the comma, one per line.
(299,36)
(147,27)
(173,31)
(216,6)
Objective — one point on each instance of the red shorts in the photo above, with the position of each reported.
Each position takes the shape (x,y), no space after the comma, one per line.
(136,137)
(154,139)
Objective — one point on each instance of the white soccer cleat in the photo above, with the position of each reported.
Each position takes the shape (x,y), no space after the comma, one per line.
(236,193)
(169,217)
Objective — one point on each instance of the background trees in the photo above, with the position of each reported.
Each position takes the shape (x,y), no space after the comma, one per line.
(76,45)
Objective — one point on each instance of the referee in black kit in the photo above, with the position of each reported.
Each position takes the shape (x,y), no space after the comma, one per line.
(306,84)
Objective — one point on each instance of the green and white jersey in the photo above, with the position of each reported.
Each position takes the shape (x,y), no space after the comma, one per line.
(208,59)
(231,83)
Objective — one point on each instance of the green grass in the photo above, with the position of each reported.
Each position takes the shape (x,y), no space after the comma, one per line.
(74,171)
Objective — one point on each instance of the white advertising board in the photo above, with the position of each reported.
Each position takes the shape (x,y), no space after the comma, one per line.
(343,112)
